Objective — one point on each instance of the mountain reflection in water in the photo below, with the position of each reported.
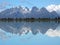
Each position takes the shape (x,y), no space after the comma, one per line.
(29,33)
(26,27)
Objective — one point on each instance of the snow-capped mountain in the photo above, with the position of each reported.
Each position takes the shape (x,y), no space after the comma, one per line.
(51,11)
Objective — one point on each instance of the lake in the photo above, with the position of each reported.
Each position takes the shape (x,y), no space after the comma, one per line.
(29,33)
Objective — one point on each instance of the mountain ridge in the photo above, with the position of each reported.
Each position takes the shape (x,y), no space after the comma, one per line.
(20,12)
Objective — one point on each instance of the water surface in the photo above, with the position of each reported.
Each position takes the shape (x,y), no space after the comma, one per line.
(30,33)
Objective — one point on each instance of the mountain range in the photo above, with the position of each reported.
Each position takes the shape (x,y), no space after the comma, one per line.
(51,11)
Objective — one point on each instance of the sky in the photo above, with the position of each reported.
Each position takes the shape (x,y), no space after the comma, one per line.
(4,4)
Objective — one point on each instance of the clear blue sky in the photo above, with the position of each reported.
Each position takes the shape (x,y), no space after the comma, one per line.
(27,3)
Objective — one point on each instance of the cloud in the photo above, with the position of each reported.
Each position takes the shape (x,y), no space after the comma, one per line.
(4,4)
(53,33)
(52,7)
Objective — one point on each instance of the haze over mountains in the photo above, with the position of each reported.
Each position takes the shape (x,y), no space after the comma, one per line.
(51,11)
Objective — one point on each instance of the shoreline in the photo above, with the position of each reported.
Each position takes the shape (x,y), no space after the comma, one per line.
(29,19)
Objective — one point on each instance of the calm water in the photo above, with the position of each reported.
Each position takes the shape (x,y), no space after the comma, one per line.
(30,33)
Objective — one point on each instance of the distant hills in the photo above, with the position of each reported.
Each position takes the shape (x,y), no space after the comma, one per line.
(25,12)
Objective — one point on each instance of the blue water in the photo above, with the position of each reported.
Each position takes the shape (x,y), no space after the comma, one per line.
(30,33)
